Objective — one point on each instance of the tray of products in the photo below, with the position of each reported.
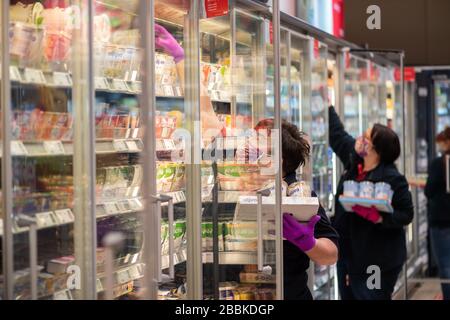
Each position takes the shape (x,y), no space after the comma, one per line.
(296,199)
(367,194)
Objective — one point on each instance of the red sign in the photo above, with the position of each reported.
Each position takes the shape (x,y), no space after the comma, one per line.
(316,49)
(338,18)
(347,59)
(271,32)
(216,8)
(409,74)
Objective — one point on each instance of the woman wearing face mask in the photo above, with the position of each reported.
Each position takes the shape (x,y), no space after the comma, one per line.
(372,243)
(439,210)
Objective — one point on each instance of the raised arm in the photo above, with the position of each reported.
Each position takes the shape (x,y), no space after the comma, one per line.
(341,142)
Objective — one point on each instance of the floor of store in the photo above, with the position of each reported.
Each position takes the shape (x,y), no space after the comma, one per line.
(427,291)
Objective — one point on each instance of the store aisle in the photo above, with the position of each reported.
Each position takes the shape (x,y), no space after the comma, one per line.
(427,291)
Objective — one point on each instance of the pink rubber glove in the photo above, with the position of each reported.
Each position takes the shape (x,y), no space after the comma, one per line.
(164,40)
(299,234)
(370,214)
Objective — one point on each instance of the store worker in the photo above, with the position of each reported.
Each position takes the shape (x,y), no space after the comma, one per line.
(439,210)
(315,240)
(372,243)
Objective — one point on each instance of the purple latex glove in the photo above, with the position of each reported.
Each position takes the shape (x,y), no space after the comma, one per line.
(299,234)
(370,214)
(164,40)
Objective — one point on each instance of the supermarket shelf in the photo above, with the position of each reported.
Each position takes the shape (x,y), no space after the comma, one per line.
(229,196)
(102,84)
(65,148)
(123,278)
(237,258)
(179,257)
(57,218)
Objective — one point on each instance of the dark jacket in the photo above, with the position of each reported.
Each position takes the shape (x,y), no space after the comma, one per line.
(296,262)
(436,192)
(363,243)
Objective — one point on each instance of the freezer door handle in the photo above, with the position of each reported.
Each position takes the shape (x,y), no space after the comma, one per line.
(260,250)
(160,199)
(31,222)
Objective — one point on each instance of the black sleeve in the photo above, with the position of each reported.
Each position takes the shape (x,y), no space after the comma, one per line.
(401,202)
(341,142)
(436,179)
(323,227)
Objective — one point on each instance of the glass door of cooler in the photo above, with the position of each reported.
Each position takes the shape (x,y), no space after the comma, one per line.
(120,121)
(43,108)
(319,129)
(79,146)
(376,94)
(442,104)
(171,122)
(355,95)
(322,162)
(239,164)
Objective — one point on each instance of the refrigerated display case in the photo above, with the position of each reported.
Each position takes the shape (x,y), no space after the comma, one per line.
(442,104)
(77,212)
(377,95)
(239,250)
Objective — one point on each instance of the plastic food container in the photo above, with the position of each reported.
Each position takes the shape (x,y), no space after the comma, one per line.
(25,44)
(351,188)
(366,189)
(382,190)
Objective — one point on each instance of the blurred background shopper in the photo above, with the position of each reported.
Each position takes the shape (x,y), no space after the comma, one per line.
(369,237)
(439,210)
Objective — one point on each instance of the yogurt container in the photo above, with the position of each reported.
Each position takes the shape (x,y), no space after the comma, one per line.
(366,189)
(351,188)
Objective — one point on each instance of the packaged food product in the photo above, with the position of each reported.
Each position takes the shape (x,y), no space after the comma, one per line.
(366,189)
(383,191)
(59,265)
(351,188)
(299,189)
(25,44)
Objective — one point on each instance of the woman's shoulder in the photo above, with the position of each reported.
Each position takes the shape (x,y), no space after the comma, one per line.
(391,172)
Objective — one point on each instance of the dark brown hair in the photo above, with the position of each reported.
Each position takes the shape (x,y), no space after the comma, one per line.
(295,148)
(386,143)
(444,135)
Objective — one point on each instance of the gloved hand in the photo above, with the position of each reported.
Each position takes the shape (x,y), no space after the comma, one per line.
(370,214)
(299,234)
(164,40)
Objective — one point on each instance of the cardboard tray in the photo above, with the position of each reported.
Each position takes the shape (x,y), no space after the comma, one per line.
(381,205)
(303,209)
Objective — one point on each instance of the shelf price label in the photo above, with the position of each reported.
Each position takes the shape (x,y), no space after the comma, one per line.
(14,74)
(178,91)
(54,147)
(168,91)
(18,148)
(65,216)
(120,85)
(62,295)
(35,76)
(111,208)
(132,145)
(99,285)
(101,83)
(120,145)
(134,272)
(136,86)
(45,219)
(62,79)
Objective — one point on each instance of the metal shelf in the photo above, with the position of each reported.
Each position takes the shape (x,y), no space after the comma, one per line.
(237,258)
(52,148)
